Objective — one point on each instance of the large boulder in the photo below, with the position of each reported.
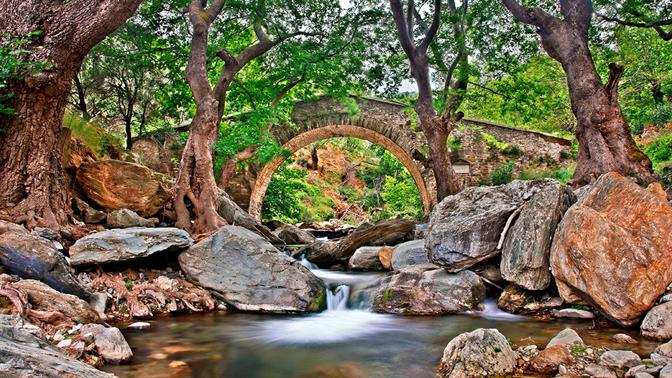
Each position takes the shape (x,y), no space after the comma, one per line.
(465,228)
(114,184)
(480,353)
(42,297)
(429,290)
(366,259)
(613,248)
(235,215)
(30,256)
(290,234)
(250,274)
(25,352)
(409,254)
(527,247)
(657,323)
(127,244)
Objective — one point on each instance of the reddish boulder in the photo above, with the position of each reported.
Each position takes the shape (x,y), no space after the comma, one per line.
(613,248)
(548,360)
(114,184)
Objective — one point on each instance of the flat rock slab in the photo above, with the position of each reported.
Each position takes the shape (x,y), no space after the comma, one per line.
(127,244)
(527,247)
(428,290)
(620,359)
(25,352)
(612,248)
(465,228)
(33,257)
(366,259)
(250,274)
(42,297)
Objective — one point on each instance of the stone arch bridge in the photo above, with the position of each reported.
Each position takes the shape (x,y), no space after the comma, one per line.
(389,125)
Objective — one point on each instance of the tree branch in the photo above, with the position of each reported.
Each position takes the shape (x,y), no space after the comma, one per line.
(433,28)
(530,16)
(402,28)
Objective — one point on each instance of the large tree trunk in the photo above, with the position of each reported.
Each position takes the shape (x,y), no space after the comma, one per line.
(605,142)
(196,180)
(32,185)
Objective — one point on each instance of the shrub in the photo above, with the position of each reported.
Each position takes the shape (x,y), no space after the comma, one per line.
(502,174)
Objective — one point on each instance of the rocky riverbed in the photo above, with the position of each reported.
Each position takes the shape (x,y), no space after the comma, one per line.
(600,256)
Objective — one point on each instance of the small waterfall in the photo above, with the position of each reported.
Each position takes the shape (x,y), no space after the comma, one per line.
(308,264)
(338,299)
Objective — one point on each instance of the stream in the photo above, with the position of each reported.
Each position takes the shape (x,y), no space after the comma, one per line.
(344,341)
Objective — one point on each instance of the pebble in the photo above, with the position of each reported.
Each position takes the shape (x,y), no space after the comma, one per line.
(75,329)
(599,371)
(622,338)
(177,364)
(64,343)
(158,356)
(666,372)
(58,336)
(620,359)
(139,325)
(572,313)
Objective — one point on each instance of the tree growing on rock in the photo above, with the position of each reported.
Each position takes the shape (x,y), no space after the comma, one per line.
(605,143)
(436,127)
(32,184)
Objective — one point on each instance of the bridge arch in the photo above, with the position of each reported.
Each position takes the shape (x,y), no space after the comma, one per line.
(332,131)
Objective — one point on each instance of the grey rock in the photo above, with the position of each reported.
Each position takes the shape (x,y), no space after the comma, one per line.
(483,352)
(666,372)
(33,257)
(25,352)
(567,336)
(666,298)
(620,359)
(9,226)
(110,343)
(127,244)
(465,228)
(643,374)
(366,259)
(125,218)
(599,371)
(572,313)
(89,214)
(657,323)
(248,273)
(98,302)
(408,254)
(139,325)
(665,349)
(527,247)
(235,215)
(426,290)
(660,360)
(290,234)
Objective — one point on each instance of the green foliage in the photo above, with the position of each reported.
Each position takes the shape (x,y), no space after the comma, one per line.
(401,196)
(289,198)
(454,143)
(92,135)
(660,151)
(502,174)
(14,64)
(563,175)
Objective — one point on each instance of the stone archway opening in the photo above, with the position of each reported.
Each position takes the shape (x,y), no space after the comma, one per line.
(334,131)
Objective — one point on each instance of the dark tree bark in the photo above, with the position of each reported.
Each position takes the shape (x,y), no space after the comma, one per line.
(314,159)
(196,184)
(32,183)
(436,128)
(605,143)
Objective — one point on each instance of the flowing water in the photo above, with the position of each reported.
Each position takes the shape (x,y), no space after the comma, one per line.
(344,341)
